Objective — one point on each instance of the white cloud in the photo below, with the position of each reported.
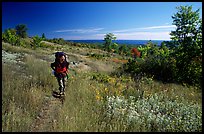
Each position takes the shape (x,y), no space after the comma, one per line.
(90,30)
(140,36)
(159,27)
(125,30)
(166,27)
(83,37)
(142,33)
(144,36)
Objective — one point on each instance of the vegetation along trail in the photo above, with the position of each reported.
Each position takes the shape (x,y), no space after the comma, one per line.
(112,87)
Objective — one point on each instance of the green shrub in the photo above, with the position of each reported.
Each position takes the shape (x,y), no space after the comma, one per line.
(101,77)
(36,41)
(162,63)
(153,114)
(10,37)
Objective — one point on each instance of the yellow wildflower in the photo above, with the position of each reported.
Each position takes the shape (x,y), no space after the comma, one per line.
(97,97)
(97,92)
(106,89)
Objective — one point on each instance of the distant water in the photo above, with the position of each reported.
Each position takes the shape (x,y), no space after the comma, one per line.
(126,42)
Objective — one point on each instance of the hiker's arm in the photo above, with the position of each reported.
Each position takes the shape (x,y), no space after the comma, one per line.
(67,66)
(52,65)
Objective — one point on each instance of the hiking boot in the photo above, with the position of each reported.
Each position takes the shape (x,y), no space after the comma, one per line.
(62,93)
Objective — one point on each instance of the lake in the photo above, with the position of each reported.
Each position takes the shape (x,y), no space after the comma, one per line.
(126,42)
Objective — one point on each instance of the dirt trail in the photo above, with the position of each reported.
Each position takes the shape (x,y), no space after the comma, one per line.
(46,119)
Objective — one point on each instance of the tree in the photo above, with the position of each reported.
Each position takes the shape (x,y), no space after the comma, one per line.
(188,39)
(21,30)
(108,41)
(43,36)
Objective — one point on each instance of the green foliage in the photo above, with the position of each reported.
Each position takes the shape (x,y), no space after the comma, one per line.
(43,36)
(123,49)
(144,50)
(21,30)
(101,77)
(114,47)
(10,37)
(108,41)
(20,42)
(60,41)
(132,67)
(178,60)
(155,61)
(95,55)
(36,41)
(188,37)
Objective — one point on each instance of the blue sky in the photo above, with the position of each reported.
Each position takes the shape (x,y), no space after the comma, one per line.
(92,20)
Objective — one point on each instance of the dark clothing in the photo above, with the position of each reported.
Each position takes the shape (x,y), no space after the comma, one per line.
(60,69)
(56,64)
(60,73)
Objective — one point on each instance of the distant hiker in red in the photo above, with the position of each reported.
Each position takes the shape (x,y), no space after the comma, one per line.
(135,53)
(60,67)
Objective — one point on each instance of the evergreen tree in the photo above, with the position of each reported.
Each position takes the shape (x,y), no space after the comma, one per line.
(43,36)
(21,30)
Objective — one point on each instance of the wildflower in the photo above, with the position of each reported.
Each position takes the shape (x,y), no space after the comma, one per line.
(97,92)
(106,89)
(97,97)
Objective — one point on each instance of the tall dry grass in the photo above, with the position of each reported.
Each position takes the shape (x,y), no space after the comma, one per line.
(23,93)
(80,110)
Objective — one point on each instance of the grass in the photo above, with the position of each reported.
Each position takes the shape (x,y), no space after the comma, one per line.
(80,115)
(95,101)
(24,91)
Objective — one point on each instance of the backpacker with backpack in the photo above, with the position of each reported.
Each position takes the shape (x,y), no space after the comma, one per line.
(60,69)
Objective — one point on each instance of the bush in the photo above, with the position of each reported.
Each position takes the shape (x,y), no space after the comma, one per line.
(154,114)
(10,37)
(36,41)
(161,63)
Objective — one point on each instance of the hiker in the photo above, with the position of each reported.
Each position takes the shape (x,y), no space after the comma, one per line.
(60,67)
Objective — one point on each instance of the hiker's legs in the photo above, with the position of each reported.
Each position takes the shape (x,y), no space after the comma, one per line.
(61,84)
